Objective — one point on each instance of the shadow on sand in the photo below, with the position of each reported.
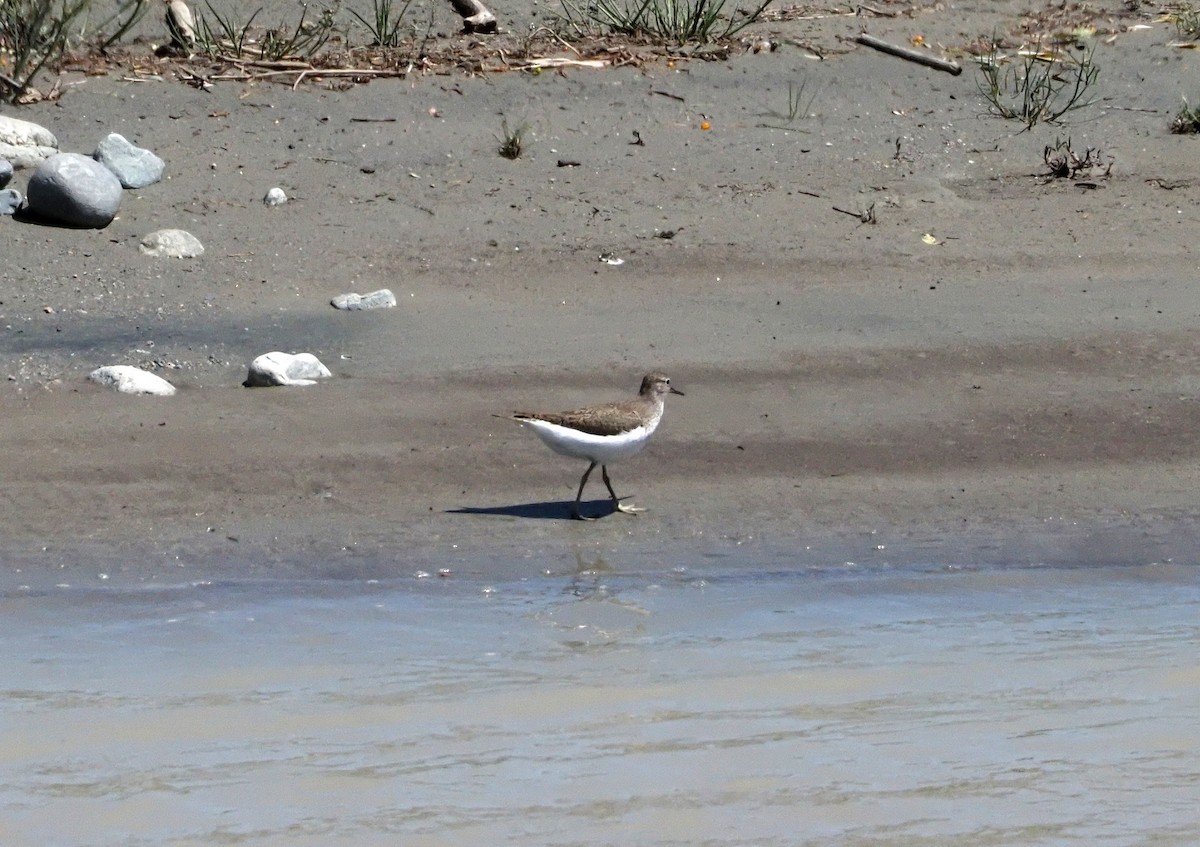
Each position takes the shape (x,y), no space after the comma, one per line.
(547,510)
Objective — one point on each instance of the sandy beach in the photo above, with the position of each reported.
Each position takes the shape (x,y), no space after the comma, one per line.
(1001,367)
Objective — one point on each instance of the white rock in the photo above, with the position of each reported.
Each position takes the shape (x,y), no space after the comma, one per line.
(275,197)
(285,369)
(181,23)
(131,380)
(381,299)
(172,243)
(24,144)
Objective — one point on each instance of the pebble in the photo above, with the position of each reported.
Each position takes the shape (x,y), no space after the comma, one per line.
(72,189)
(10,201)
(134,166)
(172,243)
(275,197)
(285,369)
(381,299)
(131,380)
(23,144)
(6,172)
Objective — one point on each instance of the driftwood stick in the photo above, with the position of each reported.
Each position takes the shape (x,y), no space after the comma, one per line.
(910,54)
(476,17)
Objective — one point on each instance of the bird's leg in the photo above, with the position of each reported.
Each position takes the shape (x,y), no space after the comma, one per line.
(626,510)
(579,494)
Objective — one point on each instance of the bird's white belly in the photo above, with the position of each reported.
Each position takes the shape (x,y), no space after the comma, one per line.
(596,448)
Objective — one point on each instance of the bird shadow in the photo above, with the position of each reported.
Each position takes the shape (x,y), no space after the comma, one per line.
(546,510)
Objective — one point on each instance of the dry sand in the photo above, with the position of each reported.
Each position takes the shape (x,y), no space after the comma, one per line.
(1023,389)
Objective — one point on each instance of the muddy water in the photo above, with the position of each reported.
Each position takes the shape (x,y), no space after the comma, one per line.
(921,706)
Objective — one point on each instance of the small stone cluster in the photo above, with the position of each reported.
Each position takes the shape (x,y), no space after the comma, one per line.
(70,189)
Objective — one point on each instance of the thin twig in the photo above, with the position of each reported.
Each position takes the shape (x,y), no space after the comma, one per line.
(865,217)
(560,62)
(7,80)
(381,72)
(547,31)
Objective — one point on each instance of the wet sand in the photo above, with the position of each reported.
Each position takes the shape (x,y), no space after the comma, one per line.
(1025,388)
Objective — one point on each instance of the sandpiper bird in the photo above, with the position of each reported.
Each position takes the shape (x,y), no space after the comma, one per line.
(603,434)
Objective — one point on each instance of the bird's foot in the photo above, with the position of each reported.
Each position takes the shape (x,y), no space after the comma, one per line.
(626,510)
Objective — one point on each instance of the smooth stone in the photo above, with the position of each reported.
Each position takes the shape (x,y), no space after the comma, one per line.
(10,201)
(73,189)
(275,197)
(381,299)
(131,380)
(134,166)
(6,172)
(172,243)
(285,369)
(24,144)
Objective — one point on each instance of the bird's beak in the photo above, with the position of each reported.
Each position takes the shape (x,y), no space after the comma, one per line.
(675,390)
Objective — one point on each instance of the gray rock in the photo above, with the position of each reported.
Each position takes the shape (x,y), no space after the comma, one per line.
(131,380)
(381,299)
(24,144)
(6,172)
(285,369)
(73,189)
(172,243)
(275,197)
(10,201)
(133,166)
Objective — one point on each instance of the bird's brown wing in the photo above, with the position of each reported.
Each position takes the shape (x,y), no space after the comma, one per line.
(612,419)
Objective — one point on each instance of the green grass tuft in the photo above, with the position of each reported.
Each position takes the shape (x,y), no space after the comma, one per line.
(1187,121)
(677,21)
(1036,89)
